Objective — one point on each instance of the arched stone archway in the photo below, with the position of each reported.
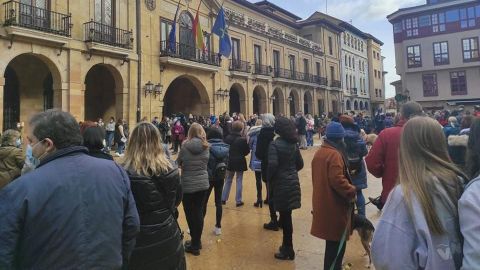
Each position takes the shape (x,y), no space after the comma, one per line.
(186,94)
(348,106)
(259,100)
(278,102)
(294,102)
(103,93)
(355,105)
(335,106)
(361,105)
(30,80)
(237,100)
(308,103)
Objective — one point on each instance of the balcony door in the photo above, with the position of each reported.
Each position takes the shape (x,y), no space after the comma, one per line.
(34,13)
(257,57)
(187,42)
(276,62)
(105,20)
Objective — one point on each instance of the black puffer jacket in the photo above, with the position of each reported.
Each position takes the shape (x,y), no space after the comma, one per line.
(159,243)
(263,141)
(238,150)
(284,162)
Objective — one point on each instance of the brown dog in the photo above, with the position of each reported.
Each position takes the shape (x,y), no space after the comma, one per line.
(370,139)
(365,230)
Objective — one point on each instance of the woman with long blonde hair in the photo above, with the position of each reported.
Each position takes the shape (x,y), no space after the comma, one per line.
(156,187)
(419,228)
(193,159)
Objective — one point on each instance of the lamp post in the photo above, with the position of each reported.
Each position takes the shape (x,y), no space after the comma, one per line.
(157,89)
(149,87)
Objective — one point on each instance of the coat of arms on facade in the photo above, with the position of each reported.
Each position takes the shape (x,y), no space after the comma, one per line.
(151,4)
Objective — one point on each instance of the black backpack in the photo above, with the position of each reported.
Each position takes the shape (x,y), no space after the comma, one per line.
(219,169)
(354,158)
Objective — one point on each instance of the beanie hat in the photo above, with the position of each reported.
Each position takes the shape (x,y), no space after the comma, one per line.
(335,131)
(346,120)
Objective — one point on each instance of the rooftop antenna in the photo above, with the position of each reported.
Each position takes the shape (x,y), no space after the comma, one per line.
(326,6)
(351,21)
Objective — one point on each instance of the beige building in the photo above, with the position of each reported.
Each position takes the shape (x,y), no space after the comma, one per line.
(437,53)
(376,74)
(83,57)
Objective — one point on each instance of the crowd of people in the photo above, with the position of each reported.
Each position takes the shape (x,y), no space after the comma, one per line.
(65,202)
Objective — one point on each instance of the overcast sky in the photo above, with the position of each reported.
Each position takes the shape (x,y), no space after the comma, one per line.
(367,15)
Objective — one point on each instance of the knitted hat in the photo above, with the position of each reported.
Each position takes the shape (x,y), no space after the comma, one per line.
(335,131)
(346,120)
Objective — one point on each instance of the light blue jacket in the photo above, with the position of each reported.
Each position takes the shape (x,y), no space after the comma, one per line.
(255,163)
(403,241)
(469,213)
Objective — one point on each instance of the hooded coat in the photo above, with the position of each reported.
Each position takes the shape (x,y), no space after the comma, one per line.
(218,151)
(255,163)
(11,164)
(457,149)
(265,137)
(238,150)
(284,162)
(159,243)
(193,159)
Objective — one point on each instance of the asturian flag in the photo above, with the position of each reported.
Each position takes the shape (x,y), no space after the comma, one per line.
(220,29)
(172,37)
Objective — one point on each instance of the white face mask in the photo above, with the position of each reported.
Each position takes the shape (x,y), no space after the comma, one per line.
(18,143)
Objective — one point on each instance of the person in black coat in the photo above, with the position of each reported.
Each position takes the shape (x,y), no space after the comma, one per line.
(301,125)
(265,137)
(284,162)
(237,163)
(155,183)
(93,138)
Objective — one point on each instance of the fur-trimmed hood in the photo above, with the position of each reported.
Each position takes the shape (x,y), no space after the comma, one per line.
(458,140)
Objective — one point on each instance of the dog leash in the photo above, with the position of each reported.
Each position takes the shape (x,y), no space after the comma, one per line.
(342,241)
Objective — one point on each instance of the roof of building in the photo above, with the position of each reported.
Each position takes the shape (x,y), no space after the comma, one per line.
(260,10)
(425,7)
(272,5)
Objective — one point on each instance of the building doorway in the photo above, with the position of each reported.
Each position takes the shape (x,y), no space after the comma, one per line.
(101,88)
(175,101)
(237,101)
(259,100)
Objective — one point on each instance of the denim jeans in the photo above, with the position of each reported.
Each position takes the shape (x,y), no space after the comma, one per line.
(121,147)
(109,139)
(360,203)
(309,137)
(228,186)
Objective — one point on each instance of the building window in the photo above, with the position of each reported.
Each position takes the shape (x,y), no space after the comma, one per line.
(317,64)
(291,59)
(470,49)
(376,92)
(430,87)
(458,82)
(309,37)
(414,58)
(380,92)
(276,62)
(378,55)
(411,25)
(438,22)
(165,27)
(467,17)
(257,55)
(353,63)
(346,81)
(332,73)
(236,49)
(397,28)
(349,61)
(306,68)
(440,53)
(330,45)
(452,15)
(424,20)
(346,61)
(104,12)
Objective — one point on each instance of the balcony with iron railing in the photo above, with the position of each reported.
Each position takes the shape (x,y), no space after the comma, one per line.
(261,70)
(320,80)
(188,52)
(239,65)
(336,84)
(107,35)
(354,91)
(35,18)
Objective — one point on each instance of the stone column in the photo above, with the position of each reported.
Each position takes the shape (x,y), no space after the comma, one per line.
(2,84)
(60,97)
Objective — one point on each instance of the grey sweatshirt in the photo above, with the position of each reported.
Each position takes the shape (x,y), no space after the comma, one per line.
(403,241)
(469,213)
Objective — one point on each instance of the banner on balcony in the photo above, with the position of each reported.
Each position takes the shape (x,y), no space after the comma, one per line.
(172,37)
(197,31)
(221,30)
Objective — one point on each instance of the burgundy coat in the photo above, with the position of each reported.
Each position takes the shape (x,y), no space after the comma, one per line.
(382,161)
(333,192)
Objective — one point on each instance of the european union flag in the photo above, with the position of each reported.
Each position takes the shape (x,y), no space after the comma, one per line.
(172,36)
(220,29)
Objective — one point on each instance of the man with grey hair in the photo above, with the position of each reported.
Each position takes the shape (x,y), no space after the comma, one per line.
(73,211)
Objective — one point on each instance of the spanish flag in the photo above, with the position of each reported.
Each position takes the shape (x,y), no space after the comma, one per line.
(197,31)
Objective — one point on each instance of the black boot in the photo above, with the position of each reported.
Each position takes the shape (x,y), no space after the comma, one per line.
(272,225)
(259,203)
(285,253)
(192,250)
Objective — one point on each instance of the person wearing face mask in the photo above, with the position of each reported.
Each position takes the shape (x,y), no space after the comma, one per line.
(57,216)
(11,157)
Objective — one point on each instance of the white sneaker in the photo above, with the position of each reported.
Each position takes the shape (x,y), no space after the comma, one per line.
(217,231)
(117,154)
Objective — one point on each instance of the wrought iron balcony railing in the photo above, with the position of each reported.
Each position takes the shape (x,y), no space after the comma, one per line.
(189,52)
(337,84)
(239,65)
(320,80)
(40,19)
(354,91)
(109,35)
(261,70)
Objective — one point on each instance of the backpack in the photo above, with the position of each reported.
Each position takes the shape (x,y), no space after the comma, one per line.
(219,169)
(353,156)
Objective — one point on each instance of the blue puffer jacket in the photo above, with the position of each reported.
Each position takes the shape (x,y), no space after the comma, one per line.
(360,180)
(255,163)
(218,151)
(73,211)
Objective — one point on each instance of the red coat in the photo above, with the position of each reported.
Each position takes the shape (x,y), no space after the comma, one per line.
(382,161)
(332,194)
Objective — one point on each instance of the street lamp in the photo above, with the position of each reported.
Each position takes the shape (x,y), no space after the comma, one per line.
(290,99)
(272,98)
(149,88)
(226,93)
(158,89)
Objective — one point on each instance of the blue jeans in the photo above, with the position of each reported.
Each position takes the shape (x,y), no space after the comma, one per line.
(228,186)
(109,138)
(360,203)
(121,147)
(309,137)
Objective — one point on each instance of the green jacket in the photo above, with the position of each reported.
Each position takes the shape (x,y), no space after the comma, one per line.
(11,163)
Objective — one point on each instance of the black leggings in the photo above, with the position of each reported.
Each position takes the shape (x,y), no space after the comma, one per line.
(193,205)
(258,179)
(176,144)
(217,186)
(287,225)
(331,250)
